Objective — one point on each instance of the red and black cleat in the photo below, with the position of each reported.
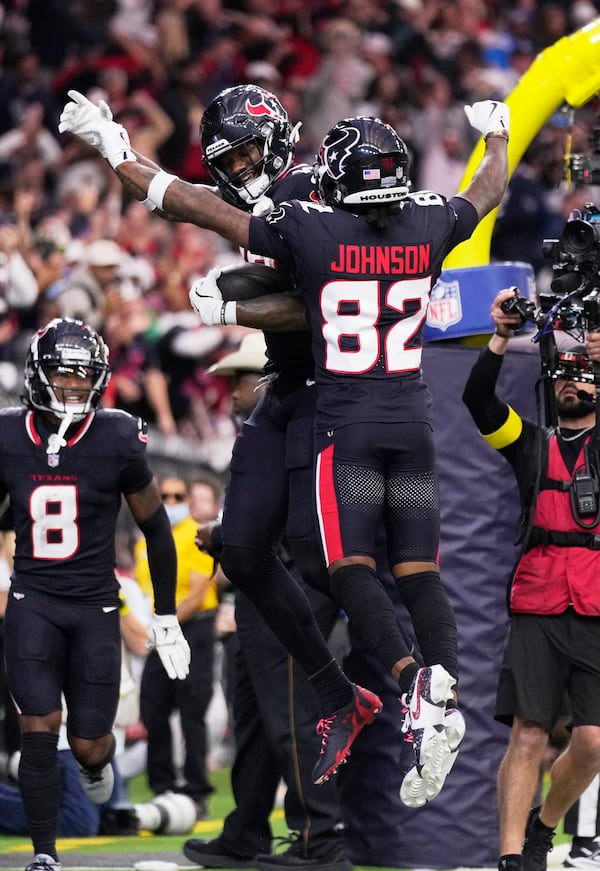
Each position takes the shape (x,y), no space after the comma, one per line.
(340,730)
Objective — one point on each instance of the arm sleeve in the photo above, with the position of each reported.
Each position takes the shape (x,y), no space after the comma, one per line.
(162,560)
(487,410)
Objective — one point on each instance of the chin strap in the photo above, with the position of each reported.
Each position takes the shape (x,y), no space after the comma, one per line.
(295,133)
(57,440)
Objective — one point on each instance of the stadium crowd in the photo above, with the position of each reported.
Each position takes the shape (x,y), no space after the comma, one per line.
(72,242)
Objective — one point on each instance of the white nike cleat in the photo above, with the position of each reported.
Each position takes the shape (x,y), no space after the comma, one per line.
(436,735)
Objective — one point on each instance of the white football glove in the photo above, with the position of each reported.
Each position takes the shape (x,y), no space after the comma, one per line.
(207,300)
(105,110)
(165,636)
(489,116)
(81,117)
(263,207)
(93,125)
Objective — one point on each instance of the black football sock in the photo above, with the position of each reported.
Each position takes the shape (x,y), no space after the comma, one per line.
(407,676)
(39,784)
(358,590)
(540,826)
(510,862)
(432,618)
(332,688)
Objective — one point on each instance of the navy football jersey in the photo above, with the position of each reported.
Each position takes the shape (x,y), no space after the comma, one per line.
(65,505)
(366,293)
(289,354)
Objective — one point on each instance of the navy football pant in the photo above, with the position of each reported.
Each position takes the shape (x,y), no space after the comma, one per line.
(275,710)
(52,646)
(270,492)
(374,471)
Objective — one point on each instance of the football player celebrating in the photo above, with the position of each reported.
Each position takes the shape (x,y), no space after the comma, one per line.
(248,145)
(64,465)
(364,260)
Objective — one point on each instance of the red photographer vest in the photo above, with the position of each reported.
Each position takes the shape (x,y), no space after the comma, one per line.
(551,576)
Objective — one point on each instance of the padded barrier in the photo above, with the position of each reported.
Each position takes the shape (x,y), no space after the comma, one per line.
(479,514)
(460,300)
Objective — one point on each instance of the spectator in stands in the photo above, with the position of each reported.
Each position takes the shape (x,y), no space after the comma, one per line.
(18,285)
(30,140)
(25,84)
(196,597)
(341,82)
(83,294)
(138,384)
(206,496)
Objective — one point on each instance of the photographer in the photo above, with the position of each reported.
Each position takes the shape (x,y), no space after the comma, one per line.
(553,646)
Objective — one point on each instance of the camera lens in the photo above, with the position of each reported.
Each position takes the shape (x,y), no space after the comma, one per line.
(578,238)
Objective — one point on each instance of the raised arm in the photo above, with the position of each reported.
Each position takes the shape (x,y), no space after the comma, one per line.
(187,202)
(489,412)
(489,183)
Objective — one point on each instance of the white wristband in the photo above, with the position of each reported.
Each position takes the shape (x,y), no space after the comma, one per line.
(149,204)
(158,186)
(228,314)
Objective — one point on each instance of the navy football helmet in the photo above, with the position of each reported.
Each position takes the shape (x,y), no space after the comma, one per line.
(65,347)
(362,162)
(236,117)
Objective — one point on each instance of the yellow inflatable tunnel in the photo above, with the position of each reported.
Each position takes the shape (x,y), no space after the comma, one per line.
(566,72)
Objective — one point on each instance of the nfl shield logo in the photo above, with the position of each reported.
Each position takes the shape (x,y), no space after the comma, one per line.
(444,305)
(53,460)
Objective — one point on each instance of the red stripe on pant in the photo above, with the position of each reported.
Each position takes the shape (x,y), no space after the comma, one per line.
(327,507)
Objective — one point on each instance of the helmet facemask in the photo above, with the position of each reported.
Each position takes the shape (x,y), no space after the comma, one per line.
(66,347)
(252,182)
(238,118)
(61,401)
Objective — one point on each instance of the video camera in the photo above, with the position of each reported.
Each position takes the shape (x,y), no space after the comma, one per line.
(572,306)
(573,303)
(585,168)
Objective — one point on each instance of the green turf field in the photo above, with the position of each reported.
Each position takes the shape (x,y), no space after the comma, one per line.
(112,853)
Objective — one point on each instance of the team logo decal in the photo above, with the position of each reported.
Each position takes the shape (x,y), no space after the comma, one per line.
(445,307)
(276,215)
(262,109)
(347,138)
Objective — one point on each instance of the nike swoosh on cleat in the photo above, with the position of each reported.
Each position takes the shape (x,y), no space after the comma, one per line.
(417,712)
